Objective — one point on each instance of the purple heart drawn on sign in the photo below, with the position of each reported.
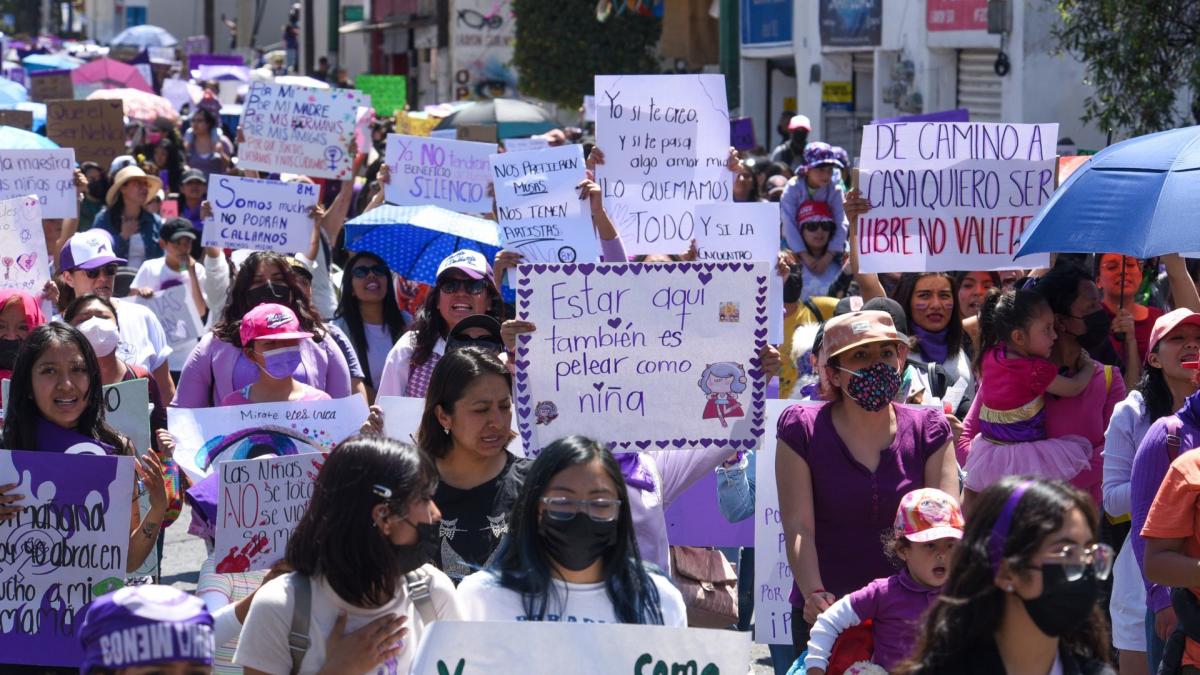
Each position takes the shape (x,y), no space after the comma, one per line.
(755,373)
(758,298)
(721,442)
(586,268)
(662,444)
(26,260)
(522,411)
(524,338)
(755,362)
(602,269)
(760,280)
(757,431)
(759,344)
(523,400)
(623,444)
(619,269)
(734,267)
(635,269)
(523,305)
(526,292)
(568,269)
(613,323)
(540,268)
(597,386)
(679,442)
(524,430)
(706,442)
(704,277)
(760,332)
(643,444)
(760,319)
(523,281)
(685,267)
(758,396)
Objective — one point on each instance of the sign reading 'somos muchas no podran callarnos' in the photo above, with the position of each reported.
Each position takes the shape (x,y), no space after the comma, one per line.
(264,215)
(642,356)
(666,141)
(951,195)
(260,501)
(451,174)
(299,129)
(47,174)
(67,545)
(539,210)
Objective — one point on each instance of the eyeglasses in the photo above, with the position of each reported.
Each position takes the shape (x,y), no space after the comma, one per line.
(361,271)
(109,270)
(819,225)
(599,510)
(471,286)
(1076,559)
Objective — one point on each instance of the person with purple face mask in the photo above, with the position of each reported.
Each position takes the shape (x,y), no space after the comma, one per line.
(271,339)
(139,630)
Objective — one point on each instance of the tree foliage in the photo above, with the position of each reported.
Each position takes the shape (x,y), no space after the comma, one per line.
(560,47)
(1138,55)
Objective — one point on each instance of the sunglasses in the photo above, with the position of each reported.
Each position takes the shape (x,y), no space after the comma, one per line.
(361,271)
(472,286)
(109,270)
(819,225)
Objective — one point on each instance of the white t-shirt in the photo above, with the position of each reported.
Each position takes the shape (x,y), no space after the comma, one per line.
(484,599)
(379,345)
(143,341)
(155,274)
(263,644)
(137,251)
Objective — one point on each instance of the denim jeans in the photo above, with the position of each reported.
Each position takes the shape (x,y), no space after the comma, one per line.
(1154,644)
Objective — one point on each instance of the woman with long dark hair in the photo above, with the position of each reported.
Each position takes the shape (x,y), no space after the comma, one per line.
(218,366)
(361,551)
(572,552)
(1023,588)
(208,149)
(133,228)
(369,314)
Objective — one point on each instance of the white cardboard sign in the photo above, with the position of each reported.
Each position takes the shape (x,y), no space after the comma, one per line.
(745,232)
(299,129)
(260,501)
(48,174)
(539,210)
(263,215)
(23,243)
(448,173)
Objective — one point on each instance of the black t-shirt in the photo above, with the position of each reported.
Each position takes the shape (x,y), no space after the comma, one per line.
(474,521)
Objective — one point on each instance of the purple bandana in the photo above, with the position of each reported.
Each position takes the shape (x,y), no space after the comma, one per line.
(53,438)
(933,344)
(637,474)
(144,625)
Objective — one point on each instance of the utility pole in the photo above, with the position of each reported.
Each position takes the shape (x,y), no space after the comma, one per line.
(210,28)
(309,38)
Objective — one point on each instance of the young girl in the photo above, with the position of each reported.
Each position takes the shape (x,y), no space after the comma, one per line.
(814,181)
(1016,336)
(271,338)
(927,529)
(721,382)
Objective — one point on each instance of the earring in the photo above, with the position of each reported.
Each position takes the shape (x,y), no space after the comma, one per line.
(447,430)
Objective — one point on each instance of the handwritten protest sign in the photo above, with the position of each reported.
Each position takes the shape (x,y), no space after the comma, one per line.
(642,356)
(206,436)
(47,174)
(67,545)
(402,417)
(299,129)
(666,141)
(448,173)
(21,119)
(259,503)
(178,313)
(580,648)
(264,215)
(127,409)
(952,196)
(388,93)
(23,245)
(49,85)
(525,144)
(772,573)
(96,129)
(540,213)
(746,232)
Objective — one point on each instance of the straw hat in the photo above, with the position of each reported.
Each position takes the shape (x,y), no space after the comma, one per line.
(127,174)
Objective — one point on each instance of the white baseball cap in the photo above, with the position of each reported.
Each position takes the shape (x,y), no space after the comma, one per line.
(88,250)
(472,263)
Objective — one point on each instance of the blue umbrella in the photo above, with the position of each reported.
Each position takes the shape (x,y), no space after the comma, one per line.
(12,92)
(35,62)
(1137,198)
(413,240)
(12,138)
(38,110)
(145,36)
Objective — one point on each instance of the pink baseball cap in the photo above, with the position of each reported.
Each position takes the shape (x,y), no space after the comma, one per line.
(273,322)
(812,210)
(929,514)
(799,122)
(1169,322)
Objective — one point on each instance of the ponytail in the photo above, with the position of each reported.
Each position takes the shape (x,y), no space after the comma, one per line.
(1002,313)
(988,336)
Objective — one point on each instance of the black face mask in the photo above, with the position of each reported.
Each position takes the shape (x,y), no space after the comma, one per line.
(1063,605)
(578,542)
(98,189)
(269,292)
(8,353)
(1097,324)
(413,556)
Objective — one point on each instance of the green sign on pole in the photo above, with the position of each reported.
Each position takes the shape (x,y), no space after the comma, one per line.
(388,93)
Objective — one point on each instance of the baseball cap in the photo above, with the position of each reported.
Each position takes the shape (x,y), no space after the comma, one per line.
(811,210)
(851,330)
(893,308)
(193,175)
(271,321)
(458,337)
(799,122)
(928,514)
(821,154)
(145,625)
(472,263)
(87,251)
(177,228)
(1169,322)
(120,162)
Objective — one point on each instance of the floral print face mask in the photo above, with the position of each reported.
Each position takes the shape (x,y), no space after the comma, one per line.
(874,386)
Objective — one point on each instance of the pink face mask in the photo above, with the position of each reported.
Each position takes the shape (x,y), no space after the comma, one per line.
(154,137)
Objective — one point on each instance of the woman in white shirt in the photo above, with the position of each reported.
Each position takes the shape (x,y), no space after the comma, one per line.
(572,552)
(360,549)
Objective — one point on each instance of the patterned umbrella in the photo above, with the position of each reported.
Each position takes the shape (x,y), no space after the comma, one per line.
(139,105)
(110,74)
(413,240)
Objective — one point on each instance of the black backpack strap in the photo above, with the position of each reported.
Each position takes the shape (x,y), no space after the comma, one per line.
(812,307)
(298,641)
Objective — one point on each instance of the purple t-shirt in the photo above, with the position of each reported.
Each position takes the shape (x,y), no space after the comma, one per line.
(894,605)
(853,506)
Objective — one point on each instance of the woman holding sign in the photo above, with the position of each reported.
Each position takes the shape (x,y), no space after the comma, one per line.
(843,466)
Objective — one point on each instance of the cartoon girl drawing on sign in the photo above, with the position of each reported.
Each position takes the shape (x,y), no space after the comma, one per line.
(721,382)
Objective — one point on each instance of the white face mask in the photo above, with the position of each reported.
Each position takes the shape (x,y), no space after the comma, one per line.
(102,334)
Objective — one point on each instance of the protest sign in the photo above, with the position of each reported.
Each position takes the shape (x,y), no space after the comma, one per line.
(23,242)
(741,133)
(206,436)
(264,215)
(388,93)
(299,129)
(481,133)
(178,313)
(415,124)
(745,232)
(180,92)
(642,356)
(259,502)
(51,85)
(47,174)
(95,129)
(21,119)
(66,545)
(525,144)
(589,108)
(448,173)
(168,209)
(772,573)
(539,211)
(694,519)
(952,196)
(666,141)
(127,409)
(580,648)
(402,417)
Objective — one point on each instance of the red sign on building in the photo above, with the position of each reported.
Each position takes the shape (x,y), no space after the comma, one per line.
(956,15)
